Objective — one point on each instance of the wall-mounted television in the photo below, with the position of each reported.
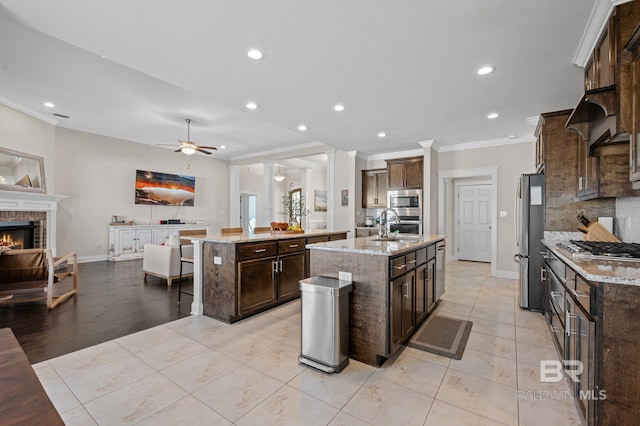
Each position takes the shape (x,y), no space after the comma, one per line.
(164,189)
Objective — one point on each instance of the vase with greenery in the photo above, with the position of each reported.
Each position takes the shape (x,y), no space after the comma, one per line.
(294,208)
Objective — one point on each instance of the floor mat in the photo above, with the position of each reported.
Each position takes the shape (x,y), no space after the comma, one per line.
(442,336)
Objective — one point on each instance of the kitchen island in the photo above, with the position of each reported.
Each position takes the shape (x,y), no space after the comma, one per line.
(591,307)
(395,286)
(237,276)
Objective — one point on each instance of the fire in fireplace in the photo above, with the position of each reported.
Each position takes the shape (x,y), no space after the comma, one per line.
(17,235)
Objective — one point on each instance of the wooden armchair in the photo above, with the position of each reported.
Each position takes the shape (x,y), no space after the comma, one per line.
(33,274)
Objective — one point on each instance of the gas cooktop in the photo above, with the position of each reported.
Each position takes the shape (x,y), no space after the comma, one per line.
(603,250)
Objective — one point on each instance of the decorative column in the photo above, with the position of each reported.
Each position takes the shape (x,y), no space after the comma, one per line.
(267,192)
(429,194)
(331,180)
(353,184)
(305,178)
(234,196)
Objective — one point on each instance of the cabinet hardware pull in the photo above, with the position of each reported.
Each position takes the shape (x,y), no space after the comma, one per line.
(260,250)
(555,330)
(579,295)
(406,295)
(400,266)
(275,266)
(280,265)
(556,294)
(293,245)
(412,261)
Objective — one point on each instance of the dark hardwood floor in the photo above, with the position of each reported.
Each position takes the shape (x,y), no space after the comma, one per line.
(113,300)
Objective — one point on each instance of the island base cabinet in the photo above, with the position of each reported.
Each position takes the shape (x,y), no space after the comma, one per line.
(402,313)
(421,292)
(256,284)
(291,269)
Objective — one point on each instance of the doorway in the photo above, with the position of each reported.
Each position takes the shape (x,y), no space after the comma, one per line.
(473,221)
(248,211)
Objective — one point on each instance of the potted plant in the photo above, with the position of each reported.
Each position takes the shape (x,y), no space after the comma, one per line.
(294,208)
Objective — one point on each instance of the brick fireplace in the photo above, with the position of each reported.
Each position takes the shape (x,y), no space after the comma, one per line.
(36,211)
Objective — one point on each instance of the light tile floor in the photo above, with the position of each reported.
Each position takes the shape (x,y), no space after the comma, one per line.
(197,370)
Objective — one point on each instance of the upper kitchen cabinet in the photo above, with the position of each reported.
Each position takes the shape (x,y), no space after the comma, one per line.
(600,70)
(374,188)
(405,173)
(633,48)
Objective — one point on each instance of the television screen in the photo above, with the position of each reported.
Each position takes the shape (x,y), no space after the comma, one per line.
(164,189)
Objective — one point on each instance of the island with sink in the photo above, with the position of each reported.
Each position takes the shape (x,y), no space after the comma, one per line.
(397,281)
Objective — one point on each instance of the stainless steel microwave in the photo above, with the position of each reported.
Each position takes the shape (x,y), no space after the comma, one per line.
(408,200)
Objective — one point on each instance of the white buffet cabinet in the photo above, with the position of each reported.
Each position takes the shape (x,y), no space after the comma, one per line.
(127,242)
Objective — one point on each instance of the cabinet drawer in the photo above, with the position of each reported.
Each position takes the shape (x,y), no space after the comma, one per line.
(557,330)
(398,266)
(410,258)
(431,252)
(291,246)
(585,295)
(334,237)
(318,239)
(421,256)
(257,250)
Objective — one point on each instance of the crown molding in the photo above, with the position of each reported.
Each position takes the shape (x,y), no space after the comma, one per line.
(293,148)
(486,144)
(597,21)
(397,154)
(28,111)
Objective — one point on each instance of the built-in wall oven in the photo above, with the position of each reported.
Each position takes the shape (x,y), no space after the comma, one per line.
(408,204)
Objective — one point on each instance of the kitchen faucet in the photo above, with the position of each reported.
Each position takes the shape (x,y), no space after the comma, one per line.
(382,230)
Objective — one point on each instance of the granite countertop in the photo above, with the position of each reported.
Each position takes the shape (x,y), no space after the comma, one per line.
(369,245)
(262,236)
(608,271)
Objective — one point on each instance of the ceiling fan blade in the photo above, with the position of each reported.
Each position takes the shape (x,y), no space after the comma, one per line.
(208,147)
(199,149)
(178,150)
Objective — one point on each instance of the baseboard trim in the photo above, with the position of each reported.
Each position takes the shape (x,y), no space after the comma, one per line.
(507,274)
(87,259)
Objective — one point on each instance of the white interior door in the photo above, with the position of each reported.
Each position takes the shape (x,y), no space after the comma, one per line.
(474,222)
(248,211)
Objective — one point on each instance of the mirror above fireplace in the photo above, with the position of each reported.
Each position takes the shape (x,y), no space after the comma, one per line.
(21,172)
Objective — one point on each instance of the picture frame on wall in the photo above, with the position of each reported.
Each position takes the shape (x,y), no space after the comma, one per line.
(320,200)
(345,197)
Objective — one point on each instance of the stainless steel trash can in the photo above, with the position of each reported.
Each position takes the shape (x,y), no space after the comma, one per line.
(325,323)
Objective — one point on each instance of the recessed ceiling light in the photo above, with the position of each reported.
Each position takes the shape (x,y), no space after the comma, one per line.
(255,54)
(382,134)
(493,115)
(302,128)
(49,105)
(338,107)
(252,105)
(485,70)
(223,146)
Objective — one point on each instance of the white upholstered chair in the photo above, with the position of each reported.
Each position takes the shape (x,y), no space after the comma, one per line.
(163,261)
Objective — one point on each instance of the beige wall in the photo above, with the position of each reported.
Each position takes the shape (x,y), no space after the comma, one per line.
(97,174)
(511,161)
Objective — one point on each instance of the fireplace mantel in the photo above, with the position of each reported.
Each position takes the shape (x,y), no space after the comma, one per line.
(28,201)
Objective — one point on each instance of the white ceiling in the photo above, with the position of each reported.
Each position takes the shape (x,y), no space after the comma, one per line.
(136,69)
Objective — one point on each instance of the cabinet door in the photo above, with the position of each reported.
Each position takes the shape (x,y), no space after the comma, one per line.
(604,56)
(585,353)
(397,297)
(143,236)
(369,194)
(430,285)
(395,175)
(381,189)
(408,313)
(413,174)
(160,235)
(635,132)
(590,75)
(587,172)
(126,241)
(256,284)
(421,294)
(291,270)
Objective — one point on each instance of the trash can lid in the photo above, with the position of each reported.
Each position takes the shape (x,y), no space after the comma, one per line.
(324,285)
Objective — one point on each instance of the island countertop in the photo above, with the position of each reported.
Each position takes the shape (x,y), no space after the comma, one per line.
(261,236)
(371,245)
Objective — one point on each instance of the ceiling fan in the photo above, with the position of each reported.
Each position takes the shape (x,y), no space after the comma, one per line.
(188,147)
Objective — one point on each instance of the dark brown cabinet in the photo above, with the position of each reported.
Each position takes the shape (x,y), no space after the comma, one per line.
(402,314)
(600,70)
(634,155)
(374,188)
(291,269)
(405,173)
(256,284)
(588,177)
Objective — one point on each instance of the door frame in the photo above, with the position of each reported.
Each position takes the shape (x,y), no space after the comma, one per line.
(487,173)
(258,209)
(456,217)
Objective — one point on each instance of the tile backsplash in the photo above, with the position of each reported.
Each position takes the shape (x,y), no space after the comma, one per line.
(627,223)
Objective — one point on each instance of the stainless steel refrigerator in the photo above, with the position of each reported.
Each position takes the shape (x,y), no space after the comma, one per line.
(529,224)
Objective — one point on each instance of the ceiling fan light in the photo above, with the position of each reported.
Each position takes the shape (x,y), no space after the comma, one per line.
(279,177)
(188,150)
